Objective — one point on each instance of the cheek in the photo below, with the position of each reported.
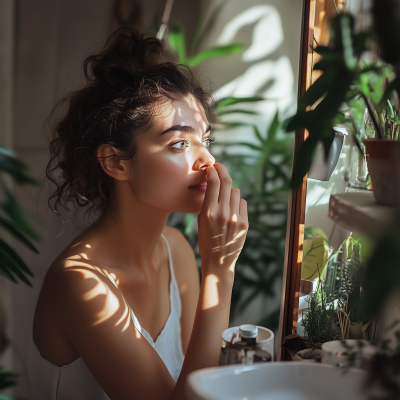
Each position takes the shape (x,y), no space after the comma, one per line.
(172,168)
(158,174)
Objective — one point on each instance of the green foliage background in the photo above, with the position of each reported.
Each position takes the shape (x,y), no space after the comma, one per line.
(262,174)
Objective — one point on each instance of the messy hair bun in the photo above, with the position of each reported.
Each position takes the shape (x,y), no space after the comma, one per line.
(123,84)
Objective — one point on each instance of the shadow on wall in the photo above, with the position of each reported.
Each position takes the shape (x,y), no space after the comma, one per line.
(267,69)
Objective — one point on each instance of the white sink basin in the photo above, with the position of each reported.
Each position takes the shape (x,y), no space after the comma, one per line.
(277,381)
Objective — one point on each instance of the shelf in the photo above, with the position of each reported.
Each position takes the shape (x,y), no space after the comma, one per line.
(359,212)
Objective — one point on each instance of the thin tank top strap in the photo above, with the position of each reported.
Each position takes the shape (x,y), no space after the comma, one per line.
(170,263)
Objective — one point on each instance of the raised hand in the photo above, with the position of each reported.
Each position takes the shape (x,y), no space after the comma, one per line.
(223,224)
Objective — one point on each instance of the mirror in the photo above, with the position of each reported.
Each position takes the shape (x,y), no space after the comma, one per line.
(321,254)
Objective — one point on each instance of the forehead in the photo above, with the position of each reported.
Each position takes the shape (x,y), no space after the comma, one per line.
(186,111)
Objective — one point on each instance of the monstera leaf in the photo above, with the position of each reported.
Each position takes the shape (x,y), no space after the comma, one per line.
(314,257)
(315,251)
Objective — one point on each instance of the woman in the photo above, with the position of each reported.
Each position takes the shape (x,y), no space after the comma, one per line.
(121,314)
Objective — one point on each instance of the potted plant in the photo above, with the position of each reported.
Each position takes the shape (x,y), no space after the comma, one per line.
(383,151)
(348,79)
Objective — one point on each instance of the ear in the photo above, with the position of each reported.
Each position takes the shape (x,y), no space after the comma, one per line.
(112,165)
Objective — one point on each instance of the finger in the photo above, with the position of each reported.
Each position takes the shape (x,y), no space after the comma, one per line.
(225,185)
(212,192)
(243,216)
(235,204)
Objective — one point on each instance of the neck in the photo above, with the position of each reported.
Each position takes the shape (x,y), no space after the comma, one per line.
(132,230)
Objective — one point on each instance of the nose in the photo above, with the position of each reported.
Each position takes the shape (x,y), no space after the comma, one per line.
(202,158)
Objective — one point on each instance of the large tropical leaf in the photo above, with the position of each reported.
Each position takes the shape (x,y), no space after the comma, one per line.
(213,52)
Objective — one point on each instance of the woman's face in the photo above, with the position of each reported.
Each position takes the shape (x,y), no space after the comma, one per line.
(168,171)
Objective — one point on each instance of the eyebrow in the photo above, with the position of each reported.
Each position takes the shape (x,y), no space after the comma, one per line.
(184,128)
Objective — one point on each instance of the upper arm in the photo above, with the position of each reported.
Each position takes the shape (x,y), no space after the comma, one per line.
(187,277)
(97,323)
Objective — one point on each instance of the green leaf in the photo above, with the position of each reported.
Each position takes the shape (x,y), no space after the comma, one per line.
(312,231)
(4,271)
(233,124)
(313,258)
(257,134)
(316,91)
(359,43)
(188,221)
(16,169)
(17,234)
(238,111)
(339,118)
(176,40)
(13,268)
(273,129)
(229,101)
(13,255)
(16,215)
(7,152)
(217,51)
(364,88)
(303,162)
(7,379)
(297,122)
(382,264)
(249,145)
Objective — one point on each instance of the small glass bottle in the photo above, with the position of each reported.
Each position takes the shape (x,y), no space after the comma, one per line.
(250,352)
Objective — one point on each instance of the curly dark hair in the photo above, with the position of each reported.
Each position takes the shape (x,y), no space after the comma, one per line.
(124,83)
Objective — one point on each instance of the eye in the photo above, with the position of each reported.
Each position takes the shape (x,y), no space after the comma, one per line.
(181,144)
(207,142)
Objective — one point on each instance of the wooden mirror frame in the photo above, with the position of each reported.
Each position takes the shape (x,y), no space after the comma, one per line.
(318,26)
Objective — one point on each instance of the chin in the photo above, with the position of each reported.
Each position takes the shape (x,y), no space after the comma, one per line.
(190,206)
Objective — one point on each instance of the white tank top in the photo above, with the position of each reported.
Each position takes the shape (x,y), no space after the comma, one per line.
(75,382)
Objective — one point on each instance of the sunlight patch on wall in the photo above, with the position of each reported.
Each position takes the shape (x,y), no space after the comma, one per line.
(267,33)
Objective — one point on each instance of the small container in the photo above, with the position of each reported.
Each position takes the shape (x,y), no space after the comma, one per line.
(339,353)
(246,344)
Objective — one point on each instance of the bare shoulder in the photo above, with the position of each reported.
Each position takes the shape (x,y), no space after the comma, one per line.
(78,289)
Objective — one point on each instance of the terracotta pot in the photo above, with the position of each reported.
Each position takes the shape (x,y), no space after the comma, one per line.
(383,159)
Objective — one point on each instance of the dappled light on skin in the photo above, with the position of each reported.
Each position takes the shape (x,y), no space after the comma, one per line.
(88,246)
(100,288)
(183,289)
(232,256)
(123,318)
(109,305)
(137,333)
(213,295)
(115,279)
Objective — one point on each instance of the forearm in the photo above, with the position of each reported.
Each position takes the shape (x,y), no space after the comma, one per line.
(212,317)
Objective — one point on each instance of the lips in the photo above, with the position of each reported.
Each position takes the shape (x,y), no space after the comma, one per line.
(201,186)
